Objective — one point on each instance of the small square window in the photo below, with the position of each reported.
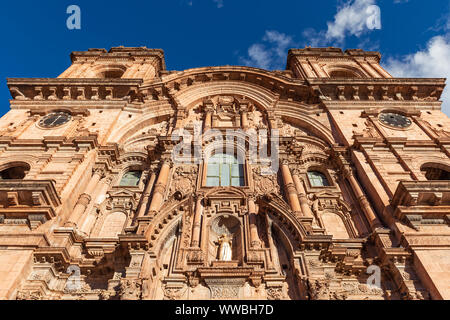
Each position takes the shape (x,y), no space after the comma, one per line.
(131,178)
(224,170)
(317,179)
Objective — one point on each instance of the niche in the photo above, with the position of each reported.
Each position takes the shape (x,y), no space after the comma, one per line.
(225,228)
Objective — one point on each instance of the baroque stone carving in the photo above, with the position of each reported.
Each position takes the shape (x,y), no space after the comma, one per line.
(30,295)
(183,181)
(171,293)
(226,288)
(278,232)
(130,289)
(275,293)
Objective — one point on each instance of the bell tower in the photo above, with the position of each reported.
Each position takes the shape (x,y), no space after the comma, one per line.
(334,63)
(117,63)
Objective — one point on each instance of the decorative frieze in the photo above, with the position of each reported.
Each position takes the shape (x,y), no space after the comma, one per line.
(379,89)
(71,89)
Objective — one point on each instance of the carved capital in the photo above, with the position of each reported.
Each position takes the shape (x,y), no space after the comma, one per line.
(84,199)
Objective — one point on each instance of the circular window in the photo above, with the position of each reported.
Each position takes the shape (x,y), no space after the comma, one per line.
(55,119)
(395,120)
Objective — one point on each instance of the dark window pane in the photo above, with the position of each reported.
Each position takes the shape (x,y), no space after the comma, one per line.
(317,179)
(131,178)
(235,170)
(237,182)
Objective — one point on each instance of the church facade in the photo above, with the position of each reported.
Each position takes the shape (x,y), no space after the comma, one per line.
(120,179)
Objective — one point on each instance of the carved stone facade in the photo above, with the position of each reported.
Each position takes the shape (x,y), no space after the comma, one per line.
(96,204)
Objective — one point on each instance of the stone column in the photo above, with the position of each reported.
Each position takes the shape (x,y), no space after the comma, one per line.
(244,118)
(84,199)
(272,119)
(302,196)
(196,229)
(289,187)
(365,205)
(88,221)
(208,119)
(146,194)
(181,115)
(160,188)
(254,237)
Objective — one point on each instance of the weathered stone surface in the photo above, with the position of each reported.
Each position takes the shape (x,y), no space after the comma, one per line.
(94,205)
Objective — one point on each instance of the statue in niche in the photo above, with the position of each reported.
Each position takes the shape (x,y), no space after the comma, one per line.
(316,208)
(225,239)
(224,248)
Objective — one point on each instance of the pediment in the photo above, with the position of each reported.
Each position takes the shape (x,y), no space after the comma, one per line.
(225,192)
(327,194)
(122,193)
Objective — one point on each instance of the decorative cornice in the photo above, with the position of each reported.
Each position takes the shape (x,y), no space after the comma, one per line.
(376,89)
(422,193)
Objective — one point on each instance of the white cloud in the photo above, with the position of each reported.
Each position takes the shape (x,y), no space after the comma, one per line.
(350,19)
(271,53)
(280,40)
(353,18)
(433,62)
(259,56)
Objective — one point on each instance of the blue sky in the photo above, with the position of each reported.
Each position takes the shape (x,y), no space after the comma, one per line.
(414,38)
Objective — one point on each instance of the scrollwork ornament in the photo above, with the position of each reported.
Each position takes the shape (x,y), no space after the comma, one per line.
(130,289)
(275,293)
(173,293)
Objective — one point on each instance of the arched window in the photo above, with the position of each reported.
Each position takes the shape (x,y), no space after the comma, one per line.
(342,74)
(131,178)
(110,71)
(15,172)
(435,172)
(317,179)
(112,74)
(224,170)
